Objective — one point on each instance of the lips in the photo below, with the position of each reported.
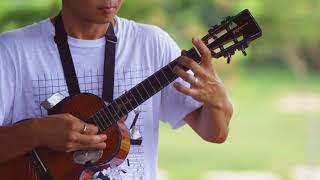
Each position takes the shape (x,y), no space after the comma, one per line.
(108,9)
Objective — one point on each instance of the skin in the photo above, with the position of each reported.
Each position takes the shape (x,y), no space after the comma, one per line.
(86,19)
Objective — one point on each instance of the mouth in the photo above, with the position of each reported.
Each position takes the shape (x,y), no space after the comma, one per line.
(108,9)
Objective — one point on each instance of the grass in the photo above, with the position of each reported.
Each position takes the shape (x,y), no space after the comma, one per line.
(262,138)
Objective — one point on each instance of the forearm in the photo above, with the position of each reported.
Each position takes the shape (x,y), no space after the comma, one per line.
(214,122)
(211,122)
(17,140)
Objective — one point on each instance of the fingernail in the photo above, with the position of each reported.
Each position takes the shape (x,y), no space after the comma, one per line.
(175,69)
(196,40)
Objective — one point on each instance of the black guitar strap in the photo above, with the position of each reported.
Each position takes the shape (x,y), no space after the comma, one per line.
(61,39)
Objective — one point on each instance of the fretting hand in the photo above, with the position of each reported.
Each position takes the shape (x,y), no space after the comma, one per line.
(206,86)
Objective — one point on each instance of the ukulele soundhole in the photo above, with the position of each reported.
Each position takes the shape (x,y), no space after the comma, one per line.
(84,157)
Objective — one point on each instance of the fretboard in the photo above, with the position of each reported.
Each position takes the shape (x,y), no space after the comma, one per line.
(137,95)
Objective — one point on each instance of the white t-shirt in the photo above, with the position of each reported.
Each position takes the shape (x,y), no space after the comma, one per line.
(31,71)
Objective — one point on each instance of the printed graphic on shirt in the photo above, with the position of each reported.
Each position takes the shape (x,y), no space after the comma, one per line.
(92,82)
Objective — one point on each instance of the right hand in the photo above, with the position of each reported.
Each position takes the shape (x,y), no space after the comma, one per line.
(62,132)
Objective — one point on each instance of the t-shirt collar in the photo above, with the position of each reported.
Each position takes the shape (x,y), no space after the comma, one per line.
(80,42)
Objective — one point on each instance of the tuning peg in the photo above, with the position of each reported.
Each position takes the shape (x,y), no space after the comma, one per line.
(228,58)
(213,29)
(226,19)
(243,51)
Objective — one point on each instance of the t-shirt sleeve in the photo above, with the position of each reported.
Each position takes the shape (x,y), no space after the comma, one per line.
(174,106)
(7,86)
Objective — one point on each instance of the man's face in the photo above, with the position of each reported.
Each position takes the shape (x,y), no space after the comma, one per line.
(94,11)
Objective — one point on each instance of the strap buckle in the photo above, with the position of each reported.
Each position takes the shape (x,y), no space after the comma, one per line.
(112,39)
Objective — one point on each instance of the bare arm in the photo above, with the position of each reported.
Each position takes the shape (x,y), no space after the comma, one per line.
(16,140)
(57,132)
(211,123)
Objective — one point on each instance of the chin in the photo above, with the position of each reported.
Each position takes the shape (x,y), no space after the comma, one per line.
(105,18)
(102,20)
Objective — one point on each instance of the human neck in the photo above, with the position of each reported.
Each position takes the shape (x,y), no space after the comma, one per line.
(81,29)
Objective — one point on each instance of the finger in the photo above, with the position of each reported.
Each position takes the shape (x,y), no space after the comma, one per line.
(81,126)
(203,50)
(184,53)
(90,129)
(184,75)
(99,146)
(89,139)
(185,90)
(191,64)
(73,122)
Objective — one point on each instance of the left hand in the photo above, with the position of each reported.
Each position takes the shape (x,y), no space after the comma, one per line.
(206,86)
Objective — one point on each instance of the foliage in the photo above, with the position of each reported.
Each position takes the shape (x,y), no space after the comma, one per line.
(290,39)
(290,30)
(263,136)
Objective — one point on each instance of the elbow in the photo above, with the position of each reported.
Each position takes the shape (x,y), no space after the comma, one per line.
(220,135)
(218,138)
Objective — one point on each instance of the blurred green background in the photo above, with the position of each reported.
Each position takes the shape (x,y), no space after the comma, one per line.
(275,129)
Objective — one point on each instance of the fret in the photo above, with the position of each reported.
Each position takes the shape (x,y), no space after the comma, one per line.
(151,85)
(130,95)
(145,90)
(193,54)
(128,100)
(97,121)
(146,85)
(100,120)
(119,108)
(124,104)
(161,78)
(93,120)
(136,95)
(113,111)
(164,74)
(170,74)
(141,92)
(106,118)
(108,114)
(157,83)
(173,64)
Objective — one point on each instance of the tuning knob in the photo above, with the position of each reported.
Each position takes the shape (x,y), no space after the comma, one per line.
(228,58)
(215,27)
(213,30)
(243,51)
(226,19)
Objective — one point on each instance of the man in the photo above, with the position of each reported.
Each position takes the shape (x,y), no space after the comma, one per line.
(30,72)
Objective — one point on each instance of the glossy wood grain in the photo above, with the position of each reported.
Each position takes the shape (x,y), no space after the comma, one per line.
(61,165)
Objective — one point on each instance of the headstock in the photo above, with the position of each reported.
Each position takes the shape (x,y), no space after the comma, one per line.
(234,33)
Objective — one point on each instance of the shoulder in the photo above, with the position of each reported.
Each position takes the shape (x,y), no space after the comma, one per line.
(23,35)
(143,31)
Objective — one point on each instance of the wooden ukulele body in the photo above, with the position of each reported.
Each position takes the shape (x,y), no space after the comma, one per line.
(223,40)
(61,166)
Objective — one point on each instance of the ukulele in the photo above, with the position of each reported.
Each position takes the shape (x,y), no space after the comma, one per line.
(233,34)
